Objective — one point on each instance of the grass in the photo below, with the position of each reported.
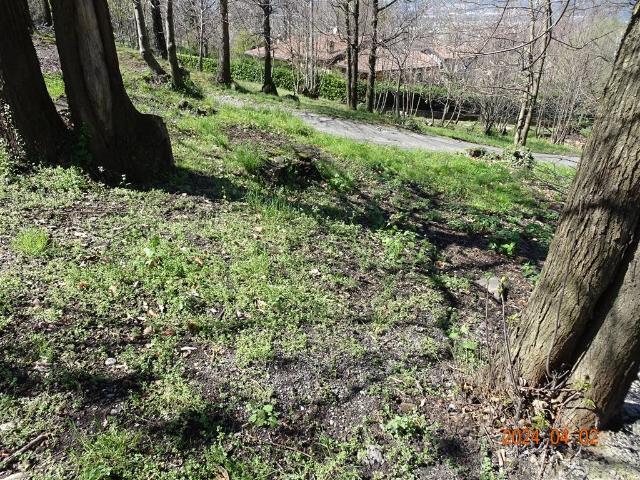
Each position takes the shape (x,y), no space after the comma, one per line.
(254,328)
(32,242)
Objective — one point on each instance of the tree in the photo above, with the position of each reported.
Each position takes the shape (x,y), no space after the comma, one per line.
(224,59)
(354,46)
(177,73)
(120,139)
(46,13)
(29,123)
(534,68)
(143,41)
(267,85)
(583,316)
(158,32)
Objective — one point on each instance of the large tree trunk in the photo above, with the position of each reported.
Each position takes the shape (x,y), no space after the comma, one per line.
(121,139)
(267,86)
(46,13)
(177,73)
(355,55)
(29,123)
(371,81)
(158,32)
(224,59)
(584,314)
(143,40)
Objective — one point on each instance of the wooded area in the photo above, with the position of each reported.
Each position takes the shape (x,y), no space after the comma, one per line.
(352,239)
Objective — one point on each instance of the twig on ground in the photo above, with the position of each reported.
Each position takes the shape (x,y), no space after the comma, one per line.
(33,443)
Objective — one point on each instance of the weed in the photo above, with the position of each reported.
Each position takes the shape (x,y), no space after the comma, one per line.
(531,272)
(505,241)
(249,158)
(263,416)
(31,242)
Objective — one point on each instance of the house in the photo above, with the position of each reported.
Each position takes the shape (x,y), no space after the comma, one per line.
(331,54)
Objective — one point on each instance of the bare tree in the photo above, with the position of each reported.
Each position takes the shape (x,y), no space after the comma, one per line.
(143,41)
(267,85)
(177,73)
(158,33)
(534,67)
(224,58)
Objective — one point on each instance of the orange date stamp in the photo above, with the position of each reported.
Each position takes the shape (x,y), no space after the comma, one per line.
(531,437)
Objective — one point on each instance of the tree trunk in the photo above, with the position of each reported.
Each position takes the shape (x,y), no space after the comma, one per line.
(25,14)
(201,38)
(29,123)
(143,41)
(224,60)
(158,32)
(267,86)
(371,81)
(177,73)
(122,141)
(355,54)
(46,13)
(583,314)
(347,23)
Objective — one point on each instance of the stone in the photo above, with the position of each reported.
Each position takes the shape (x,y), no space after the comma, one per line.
(495,286)
(373,456)
(110,361)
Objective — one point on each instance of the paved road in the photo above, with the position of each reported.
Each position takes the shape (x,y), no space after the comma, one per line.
(402,138)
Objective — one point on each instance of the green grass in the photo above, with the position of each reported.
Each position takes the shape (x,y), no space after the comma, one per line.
(55,84)
(468,132)
(32,242)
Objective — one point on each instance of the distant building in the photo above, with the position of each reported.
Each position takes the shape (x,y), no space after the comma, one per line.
(331,53)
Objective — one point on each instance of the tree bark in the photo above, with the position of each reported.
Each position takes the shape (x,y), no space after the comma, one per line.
(122,141)
(583,315)
(201,38)
(29,123)
(46,13)
(371,81)
(177,73)
(224,59)
(158,32)
(25,16)
(143,41)
(347,22)
(355,54)
(267,86)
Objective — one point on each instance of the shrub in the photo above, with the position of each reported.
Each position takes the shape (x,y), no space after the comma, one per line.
(519,157)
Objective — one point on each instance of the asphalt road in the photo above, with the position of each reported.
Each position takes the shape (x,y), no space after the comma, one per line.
(402,138)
